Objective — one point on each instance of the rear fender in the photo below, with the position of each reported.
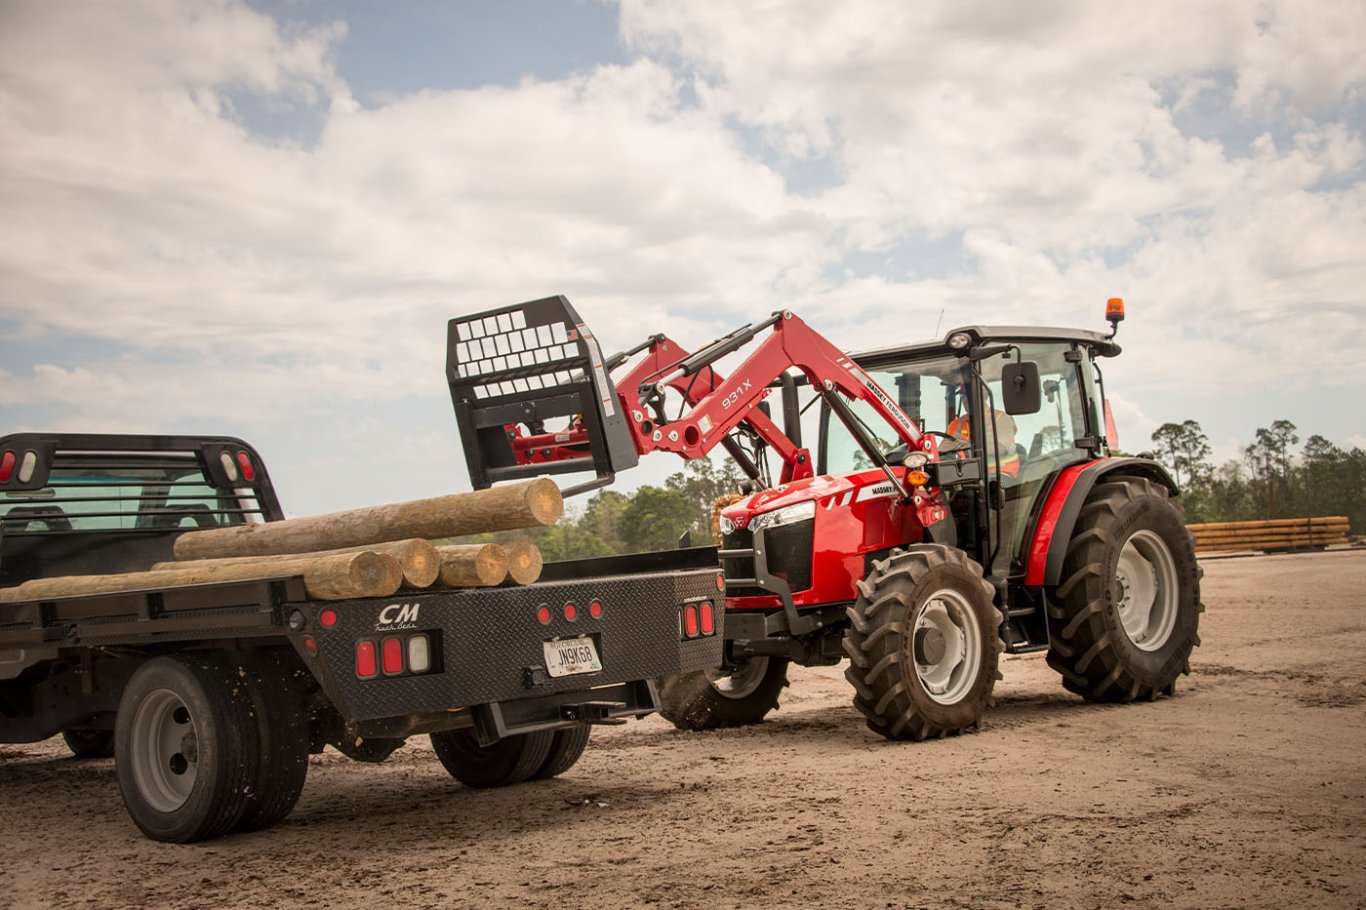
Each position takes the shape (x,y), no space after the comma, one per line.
(1062,505)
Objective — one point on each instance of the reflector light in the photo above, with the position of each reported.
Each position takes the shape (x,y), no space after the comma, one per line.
(690,621)
(248,471)
(310,645)
(27,465)
(391,656)
(6,466)
(571,612)
(229,466)
(543,614)
(720,582)
(366,665)
(595,609)
(328,618)
(708,618)
(419,654)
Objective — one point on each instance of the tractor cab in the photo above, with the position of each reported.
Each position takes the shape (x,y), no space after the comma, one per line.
(1009,407)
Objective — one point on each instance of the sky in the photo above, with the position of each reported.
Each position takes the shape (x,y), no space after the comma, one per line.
(255,218)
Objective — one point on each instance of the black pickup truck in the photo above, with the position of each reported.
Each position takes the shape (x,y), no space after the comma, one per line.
(211,697)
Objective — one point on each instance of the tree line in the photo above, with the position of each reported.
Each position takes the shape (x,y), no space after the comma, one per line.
(1272,479)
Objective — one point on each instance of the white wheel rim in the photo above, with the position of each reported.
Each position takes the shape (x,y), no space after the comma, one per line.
(946,647)
(743,683)
(164,751)
(1146,590)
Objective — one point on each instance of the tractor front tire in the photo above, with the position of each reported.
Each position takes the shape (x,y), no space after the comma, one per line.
(924,644)
(1126,616)
(714,699)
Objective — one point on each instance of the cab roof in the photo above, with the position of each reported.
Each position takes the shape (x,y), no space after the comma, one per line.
(1102,344)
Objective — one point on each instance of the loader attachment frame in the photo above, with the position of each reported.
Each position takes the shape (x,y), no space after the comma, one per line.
(522,366)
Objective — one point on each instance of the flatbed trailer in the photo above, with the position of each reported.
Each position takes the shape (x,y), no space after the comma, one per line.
(210,697)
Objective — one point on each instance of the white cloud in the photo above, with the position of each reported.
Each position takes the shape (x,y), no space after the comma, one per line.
(1045,152)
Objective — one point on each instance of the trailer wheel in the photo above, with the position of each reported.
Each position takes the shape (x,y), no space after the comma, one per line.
(511,760)
(282,743)
(185,748)
(1126,616)
(924,644)
(713,699)
(89,743)
(565,751)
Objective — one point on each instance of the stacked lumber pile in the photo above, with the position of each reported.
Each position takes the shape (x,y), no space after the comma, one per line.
(369,552)
(1270,535)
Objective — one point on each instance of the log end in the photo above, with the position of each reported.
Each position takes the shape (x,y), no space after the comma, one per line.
(544,501)
(524,562)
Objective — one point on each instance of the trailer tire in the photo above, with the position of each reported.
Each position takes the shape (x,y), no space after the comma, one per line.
(185,748)
(565,751)
(282,743)
(716,699)
(924,644)
(86,743)
(1126,617)
(511,760)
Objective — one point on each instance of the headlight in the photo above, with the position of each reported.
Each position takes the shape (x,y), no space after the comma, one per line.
(727,526)
(959,340)
(916,460)
(802,511)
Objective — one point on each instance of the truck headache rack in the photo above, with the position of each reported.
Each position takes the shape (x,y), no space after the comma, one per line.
(532,396)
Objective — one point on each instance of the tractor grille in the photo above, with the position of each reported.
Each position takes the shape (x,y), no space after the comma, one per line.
(789,557)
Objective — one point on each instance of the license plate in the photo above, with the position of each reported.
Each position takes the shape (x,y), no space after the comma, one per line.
(570,656)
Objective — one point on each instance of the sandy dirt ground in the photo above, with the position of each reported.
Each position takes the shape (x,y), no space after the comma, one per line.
(1248,789)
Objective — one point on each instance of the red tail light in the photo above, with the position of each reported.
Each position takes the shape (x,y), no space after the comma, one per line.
(708,618)
(6,466)
(690,621)
(543,615)
(595,609)
(366,665)
(571,612)
(391,656)
(248,470)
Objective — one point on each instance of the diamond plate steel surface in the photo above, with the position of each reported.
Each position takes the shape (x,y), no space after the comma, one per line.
(489,641)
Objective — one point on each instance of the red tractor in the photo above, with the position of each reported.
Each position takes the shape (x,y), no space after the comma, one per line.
(962,500)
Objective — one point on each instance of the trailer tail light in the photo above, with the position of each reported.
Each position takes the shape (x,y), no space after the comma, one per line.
(391,656)
(6,466)
(595,609)
(690,623)
(543,614)
(697,619)
(419,654)
(328,618)
(708,618)
(367,666)
(571,612)
(248,469)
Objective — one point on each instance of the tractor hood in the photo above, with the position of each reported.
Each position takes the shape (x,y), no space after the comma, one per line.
(823,489)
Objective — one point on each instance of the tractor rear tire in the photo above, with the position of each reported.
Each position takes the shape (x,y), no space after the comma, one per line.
(511,760)
(715,699)
(924,644)
(1126,616)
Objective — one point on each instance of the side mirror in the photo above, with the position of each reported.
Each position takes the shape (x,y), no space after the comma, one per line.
(1020,388)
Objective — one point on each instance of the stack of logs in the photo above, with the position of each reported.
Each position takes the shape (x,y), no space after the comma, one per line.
(1271,535)
(369,552)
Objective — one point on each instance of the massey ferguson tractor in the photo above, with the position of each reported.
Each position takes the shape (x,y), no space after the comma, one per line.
(961,500)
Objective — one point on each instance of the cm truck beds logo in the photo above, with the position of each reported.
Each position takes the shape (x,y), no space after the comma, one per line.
(397,616)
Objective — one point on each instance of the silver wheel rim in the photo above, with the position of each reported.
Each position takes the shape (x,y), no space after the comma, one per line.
(1146,590)
(164,751)
(946,647)
(743,683)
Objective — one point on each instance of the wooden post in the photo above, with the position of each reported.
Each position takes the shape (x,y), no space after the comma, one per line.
(524,562)
(532,503)
(341,576)
(417,558)
(473,565)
